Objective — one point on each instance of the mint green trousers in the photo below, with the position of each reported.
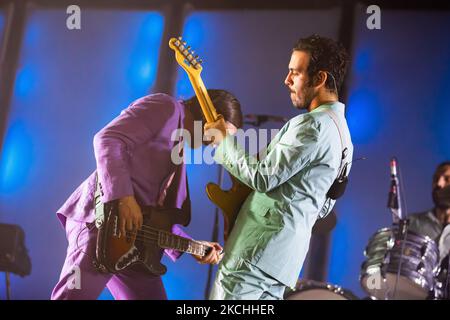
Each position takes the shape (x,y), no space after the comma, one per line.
(237,279)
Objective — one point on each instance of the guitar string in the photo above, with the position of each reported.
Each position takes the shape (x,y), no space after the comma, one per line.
(188,250)
(148,236)
(151,237)
(151,231)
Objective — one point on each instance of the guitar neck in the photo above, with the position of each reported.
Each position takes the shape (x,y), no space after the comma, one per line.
(206,104)
(169,240)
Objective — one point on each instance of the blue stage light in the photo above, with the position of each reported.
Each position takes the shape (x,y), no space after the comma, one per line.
(364,116)
(26,81)
(144,59)
(17,158)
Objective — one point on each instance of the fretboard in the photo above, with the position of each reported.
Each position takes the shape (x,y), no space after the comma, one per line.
(169,240)
(203,98)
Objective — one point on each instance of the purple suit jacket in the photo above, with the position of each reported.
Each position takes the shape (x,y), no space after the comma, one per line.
(133,155)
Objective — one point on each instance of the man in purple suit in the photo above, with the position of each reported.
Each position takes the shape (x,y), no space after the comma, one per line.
(134,166)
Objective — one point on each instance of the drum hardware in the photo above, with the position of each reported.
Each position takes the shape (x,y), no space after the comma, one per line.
(399,266)
(14,256)
(315,290)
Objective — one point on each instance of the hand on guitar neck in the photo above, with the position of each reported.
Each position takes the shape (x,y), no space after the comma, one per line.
(216,131)
(214,253)
(131,219)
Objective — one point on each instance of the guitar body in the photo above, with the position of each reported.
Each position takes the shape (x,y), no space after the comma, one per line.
(229,201)
(116,253)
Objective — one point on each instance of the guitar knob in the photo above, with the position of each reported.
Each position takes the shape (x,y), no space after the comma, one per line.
(98,223)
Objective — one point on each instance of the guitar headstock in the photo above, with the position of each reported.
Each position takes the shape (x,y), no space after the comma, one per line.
(185,56)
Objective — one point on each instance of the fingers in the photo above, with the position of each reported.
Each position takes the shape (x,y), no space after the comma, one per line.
(141,221)
(215,132)
(231,128)
(130,224)
(208,126)
(130,218)
(138,221)
(214,256)
(122,223)
(217,246)
(214,136)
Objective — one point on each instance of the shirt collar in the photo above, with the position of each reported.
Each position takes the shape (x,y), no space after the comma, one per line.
(335,106)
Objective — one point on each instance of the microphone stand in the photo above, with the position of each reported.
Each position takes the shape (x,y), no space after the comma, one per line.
(214,237)
(8,286)
(395,205)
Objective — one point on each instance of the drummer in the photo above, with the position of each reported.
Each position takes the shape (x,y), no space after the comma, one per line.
(435,222)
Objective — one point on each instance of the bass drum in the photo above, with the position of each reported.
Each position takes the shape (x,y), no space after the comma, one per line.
(315,290)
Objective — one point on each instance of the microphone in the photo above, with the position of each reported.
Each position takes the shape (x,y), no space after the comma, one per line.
(394,199)
(258,119)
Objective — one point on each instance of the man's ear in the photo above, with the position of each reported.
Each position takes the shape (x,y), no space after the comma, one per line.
(320,79)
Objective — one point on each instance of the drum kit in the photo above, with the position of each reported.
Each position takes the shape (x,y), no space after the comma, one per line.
(398,266)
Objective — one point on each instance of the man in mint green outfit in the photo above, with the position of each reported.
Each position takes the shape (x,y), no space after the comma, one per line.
(268,244)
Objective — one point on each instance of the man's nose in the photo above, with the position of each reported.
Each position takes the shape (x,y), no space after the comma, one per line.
(441,183)
(288,81)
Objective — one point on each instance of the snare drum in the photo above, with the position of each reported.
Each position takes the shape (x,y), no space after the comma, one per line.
(389,274)
(314,290)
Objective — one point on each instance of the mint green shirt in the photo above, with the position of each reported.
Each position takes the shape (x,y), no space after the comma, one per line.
(290,183)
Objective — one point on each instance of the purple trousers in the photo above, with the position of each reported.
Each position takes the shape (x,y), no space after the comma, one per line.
(79,280)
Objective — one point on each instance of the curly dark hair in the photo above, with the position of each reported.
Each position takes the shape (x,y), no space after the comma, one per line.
(325,55)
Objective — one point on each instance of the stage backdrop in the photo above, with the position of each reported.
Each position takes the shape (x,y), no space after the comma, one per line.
(69,84)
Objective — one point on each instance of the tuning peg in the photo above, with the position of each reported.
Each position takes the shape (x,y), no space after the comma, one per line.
(180,38)
(200,61)
(184,43)
(188,48)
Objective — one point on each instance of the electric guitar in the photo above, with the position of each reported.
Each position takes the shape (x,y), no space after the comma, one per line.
(229,201)
(146,246)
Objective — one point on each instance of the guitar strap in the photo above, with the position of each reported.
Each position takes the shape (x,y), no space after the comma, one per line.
(339,185)
(99,206)
(342,136)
